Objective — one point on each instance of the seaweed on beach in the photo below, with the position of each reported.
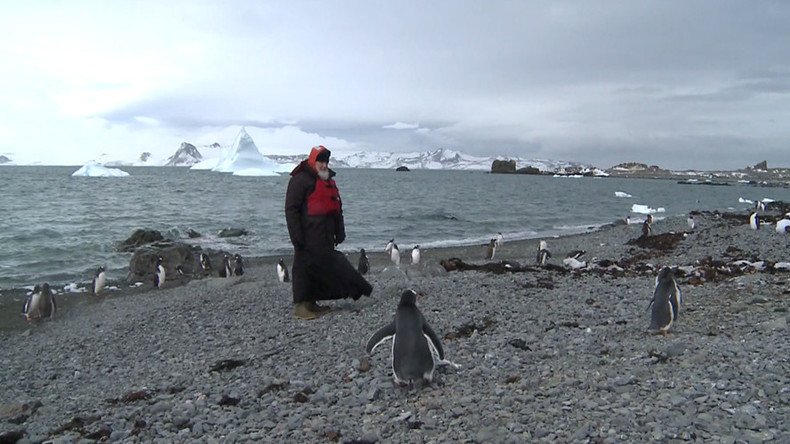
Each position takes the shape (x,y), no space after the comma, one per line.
(663,241)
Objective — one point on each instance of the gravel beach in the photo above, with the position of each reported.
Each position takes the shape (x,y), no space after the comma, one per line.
(545,355)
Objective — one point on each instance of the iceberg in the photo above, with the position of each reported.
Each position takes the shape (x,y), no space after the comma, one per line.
(644,209)
(243,159)
(93,169)
(622,194)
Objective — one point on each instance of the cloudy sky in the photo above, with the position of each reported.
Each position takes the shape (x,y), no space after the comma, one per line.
(680,84)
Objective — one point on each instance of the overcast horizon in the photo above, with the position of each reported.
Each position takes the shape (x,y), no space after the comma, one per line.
(681,85)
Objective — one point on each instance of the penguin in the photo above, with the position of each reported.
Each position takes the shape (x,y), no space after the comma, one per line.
(754,221)
(159,273)
(392,249)
(225,270)
(575,254)
(691,222)
(783,225)
(414,343)
(238,266)
(491,250)
(282,271)
(646,228)
(666,301)
(650,219)
(99,280)
(759,205)
(628,220)
(364,265)
(205,264)
(40,304)
(499,239)
(543,253)
(415,255)
(573,263)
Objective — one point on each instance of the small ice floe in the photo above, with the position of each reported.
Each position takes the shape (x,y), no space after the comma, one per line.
(73,288)
(136,284)
(622,194)
(645,209)
(742,200)
(93,169)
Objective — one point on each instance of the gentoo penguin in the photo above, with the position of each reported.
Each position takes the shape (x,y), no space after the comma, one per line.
(646,228)
(392,249)
(414,342)
(491,250)
(543,253)
(159,273)
(364,265)
(499,239)
(282,271)
(238,266)
(225,270)
(415,255)
(205,264)
(691,222)
(99,280)
(650,219)
(40,304)
(759,205)
(783,225)
(754,221)
(628,220)
(666,302)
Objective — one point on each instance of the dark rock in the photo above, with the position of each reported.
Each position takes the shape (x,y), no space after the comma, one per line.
(193,234)
(4,159)
(761,166)
(503,166)
(663,241)
(300,397)
(227,364)
(364,365)
(228,401)
(185,155)
(145,156)
(140,237)
(175,255)
(520,344)
(402,168)
(232,232)
(529,170)
(12,436)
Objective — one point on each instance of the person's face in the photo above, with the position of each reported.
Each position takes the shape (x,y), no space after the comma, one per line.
(321,166)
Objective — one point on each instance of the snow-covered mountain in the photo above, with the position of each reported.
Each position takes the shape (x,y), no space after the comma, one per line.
(440,159)
(186,155)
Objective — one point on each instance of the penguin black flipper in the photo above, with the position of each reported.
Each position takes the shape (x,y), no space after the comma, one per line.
(434,339)
(384,333)
(54,308)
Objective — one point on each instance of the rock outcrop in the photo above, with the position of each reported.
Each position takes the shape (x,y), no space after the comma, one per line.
(402,168)
(503,166)
(4,159)
(186,155)
(178,259)
(140,237)
(145,156)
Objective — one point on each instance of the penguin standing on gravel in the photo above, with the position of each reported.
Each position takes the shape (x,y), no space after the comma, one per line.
(205,264)
(415,255)
(238,265)
(666,301)
(99,281)
(225,271)
(691,222)
(499,239)
(543,253)
(414,346)
(40,304)
(159,273)
(392,249)
(754,221)
(282,271)
(363,266)
(491,249)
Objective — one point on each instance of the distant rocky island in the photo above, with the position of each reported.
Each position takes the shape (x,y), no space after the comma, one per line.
(758,174)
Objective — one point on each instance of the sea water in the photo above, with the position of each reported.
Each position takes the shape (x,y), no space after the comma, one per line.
(57,228)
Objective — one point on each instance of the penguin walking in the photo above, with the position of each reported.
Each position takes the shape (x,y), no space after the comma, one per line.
(499,239)
(363,266)
(205,264)
(415,344)
(392,249)
(415,255)
(691,222)
(238,265)
(754,221)
(99,281)
(666,301)
(491,250)
(282,271)
(646,228)
(159,273)
(543,253)
(225,271)
(40,304)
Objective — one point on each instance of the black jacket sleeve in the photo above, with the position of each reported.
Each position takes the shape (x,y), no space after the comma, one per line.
(294,201)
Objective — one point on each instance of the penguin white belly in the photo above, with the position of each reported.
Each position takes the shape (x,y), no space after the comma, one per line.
(395,256)
(101,281)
